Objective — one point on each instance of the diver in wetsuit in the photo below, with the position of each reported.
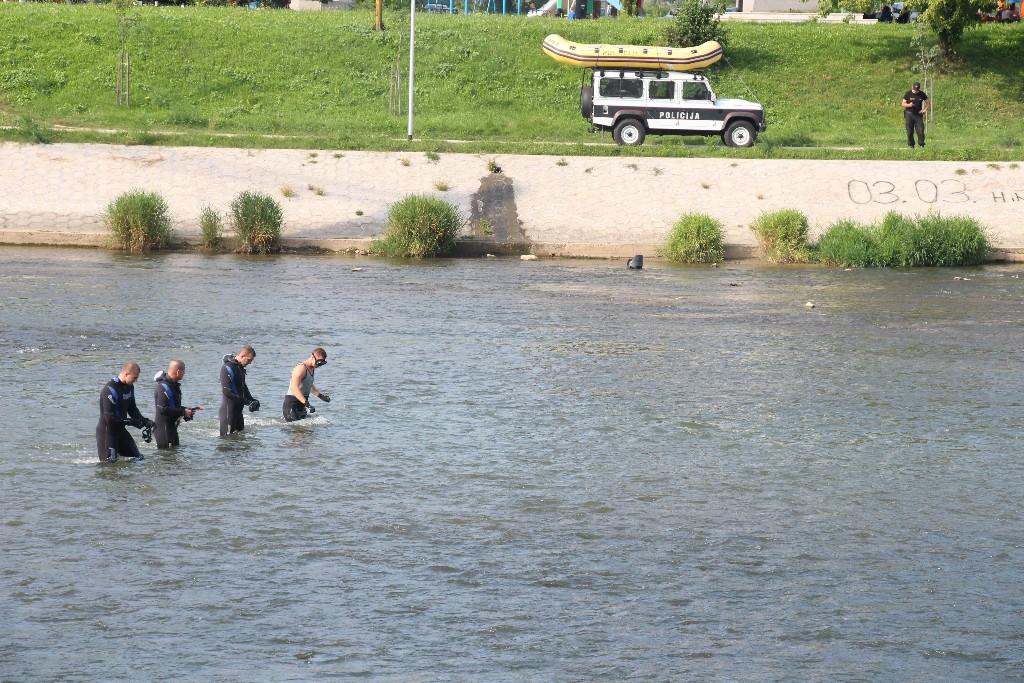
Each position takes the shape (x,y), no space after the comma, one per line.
(117,411)
(296,403)
(235,391)
(169,411)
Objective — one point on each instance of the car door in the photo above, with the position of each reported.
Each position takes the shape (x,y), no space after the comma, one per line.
(662,105)
(699,107)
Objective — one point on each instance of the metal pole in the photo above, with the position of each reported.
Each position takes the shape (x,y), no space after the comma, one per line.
(412,58)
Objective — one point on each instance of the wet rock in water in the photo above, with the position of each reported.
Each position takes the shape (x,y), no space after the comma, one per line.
(809,304)
(528,257)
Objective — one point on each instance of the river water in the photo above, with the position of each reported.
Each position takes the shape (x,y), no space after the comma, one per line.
(531,471)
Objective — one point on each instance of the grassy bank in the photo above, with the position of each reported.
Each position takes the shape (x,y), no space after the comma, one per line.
(322,79)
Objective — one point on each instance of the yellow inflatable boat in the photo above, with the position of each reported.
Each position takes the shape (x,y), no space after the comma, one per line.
(631,56)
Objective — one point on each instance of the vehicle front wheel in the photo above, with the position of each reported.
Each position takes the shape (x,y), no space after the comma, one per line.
(629,132)
(739,134)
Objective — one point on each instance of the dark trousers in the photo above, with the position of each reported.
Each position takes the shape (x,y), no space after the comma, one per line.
(166,433)
(914,122)
(293,410)
(231,419)
(114,442)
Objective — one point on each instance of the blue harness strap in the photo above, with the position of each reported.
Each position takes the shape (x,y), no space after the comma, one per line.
(169,393)
(117,400)
(233,378)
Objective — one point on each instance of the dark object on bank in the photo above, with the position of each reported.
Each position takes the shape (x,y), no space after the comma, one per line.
(636,263)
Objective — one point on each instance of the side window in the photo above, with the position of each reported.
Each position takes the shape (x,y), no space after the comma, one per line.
(695,91)
(621,87)
(662,90)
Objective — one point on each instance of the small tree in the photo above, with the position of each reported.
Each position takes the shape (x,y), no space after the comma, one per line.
(949,19)
(123,77)
(696,22)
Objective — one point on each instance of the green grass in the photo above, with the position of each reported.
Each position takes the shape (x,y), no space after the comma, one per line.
(138,221)
(257,219)
(899,241)
(695,238)
(321,79)
(211,228)
(420,226)
(848,243)
(782,236)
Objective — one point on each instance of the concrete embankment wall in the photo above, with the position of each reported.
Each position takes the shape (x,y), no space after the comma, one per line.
(576,206)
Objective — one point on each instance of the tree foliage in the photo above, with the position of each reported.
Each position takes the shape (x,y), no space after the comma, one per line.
(696,22)
(949,19)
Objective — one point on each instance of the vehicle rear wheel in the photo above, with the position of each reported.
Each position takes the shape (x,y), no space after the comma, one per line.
(739,134)
(629,132)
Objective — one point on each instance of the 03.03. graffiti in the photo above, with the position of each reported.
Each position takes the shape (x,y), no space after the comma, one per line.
(949,191)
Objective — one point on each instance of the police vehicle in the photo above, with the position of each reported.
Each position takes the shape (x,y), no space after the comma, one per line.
(636,103)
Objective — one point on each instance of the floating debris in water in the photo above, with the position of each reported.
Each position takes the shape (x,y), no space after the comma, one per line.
(809,304)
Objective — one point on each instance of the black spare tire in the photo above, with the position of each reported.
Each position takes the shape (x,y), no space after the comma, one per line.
(586,101)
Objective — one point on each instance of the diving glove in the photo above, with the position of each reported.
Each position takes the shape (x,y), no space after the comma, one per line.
(310,408)
(324,397)
(254,405)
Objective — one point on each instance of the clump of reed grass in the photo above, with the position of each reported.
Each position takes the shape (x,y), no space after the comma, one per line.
(257,220)
(138,221)
(783,236)
(420,226)
(695,238)
(211,228)
(901,241)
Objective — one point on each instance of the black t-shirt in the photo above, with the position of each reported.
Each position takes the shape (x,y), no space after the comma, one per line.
(917,100)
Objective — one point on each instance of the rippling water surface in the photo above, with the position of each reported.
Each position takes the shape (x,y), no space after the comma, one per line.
(553,470)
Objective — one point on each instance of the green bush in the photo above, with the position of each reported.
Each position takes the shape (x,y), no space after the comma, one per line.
(419,225)
(139,221)
(849,244)
(696,22)
(256,218)
(931,240)
(899,241)
(783,236)
(695,238)
(210,228)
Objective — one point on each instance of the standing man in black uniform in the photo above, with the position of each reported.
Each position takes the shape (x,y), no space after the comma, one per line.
(169,411)
(117,411)
(915,106)
(235,391)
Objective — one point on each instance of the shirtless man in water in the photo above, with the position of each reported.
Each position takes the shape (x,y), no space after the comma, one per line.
(296,403)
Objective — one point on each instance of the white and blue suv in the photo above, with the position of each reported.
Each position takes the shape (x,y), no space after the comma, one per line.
(636,103)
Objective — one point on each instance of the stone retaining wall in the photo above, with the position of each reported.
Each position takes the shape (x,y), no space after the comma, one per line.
(576,206)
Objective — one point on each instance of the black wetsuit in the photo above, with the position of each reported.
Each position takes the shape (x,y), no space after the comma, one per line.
(235,396)
(169,411)
(117,411)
